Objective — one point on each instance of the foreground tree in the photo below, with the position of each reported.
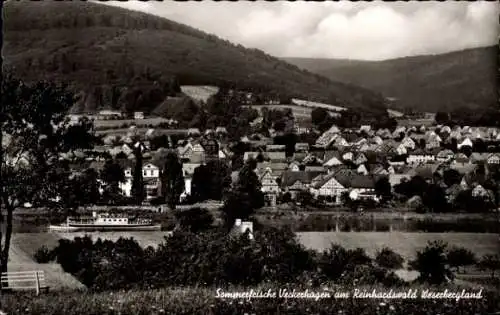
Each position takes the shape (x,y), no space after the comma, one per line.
(389,259)
(112,174)
(383,189)
(138,180)
(172,180)
(34,131)
(245,197)
(432,263)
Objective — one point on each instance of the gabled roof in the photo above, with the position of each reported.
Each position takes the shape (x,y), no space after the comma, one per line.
(312,168)
(289,178)
(445,153)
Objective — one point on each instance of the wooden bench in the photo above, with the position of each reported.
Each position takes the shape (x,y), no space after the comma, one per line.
(25,280)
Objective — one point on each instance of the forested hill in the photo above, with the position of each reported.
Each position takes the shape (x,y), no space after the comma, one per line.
(461,79)
(126,59)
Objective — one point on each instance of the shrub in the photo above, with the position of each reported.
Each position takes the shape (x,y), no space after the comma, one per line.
(43,255)
(490,263)
(432,263)
(389,259)
(195,219)
(336,261)
(458,257)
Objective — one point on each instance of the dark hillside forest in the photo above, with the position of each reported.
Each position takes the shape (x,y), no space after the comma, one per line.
(121,59)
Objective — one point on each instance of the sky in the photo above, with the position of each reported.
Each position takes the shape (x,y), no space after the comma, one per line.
(347,30)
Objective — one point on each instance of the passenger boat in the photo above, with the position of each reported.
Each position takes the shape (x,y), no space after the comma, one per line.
(106,222)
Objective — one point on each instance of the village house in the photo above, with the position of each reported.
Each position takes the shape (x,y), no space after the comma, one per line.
(188,171)
(295,182)
(493,159)
(360,159)
(445,156)
(401,150)
(109,114)
(328,186)
(151,178)
(294,166)
(194,132)
(327,138)
(301,147)
(466,142)
(419,157)
(138,115)
(270,187)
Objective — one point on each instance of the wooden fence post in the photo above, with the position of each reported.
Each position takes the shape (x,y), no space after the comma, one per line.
(37,283)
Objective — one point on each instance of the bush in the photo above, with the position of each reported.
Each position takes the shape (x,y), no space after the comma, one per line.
(195,219)
(490,263)
(458,257)
(389,259)
(432,263)
(43,255)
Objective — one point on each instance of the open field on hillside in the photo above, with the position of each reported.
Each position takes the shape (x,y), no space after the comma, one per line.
(111,123)
(299,112)
(124,131)
(199,92)
(416,122)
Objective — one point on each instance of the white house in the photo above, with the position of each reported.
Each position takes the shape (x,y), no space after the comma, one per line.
(270,186)
(493,159)
(151,177)
(408,143)
(348,156)
(138,115)
(465,142)
(328,186)
(419,157)
(362,170)
(401,149)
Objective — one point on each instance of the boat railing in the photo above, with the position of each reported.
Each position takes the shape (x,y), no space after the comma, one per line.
(93,221)
(81,220)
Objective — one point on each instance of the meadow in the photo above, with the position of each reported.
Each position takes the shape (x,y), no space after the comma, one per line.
(403,243)
(199,92)
(140,131)
(112,123)
(205,301)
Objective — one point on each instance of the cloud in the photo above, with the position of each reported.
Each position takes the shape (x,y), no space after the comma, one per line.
(363,30)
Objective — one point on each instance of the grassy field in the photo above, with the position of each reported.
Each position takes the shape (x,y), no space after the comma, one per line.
(24,245)
(199,92)
(298,111)
(405,244)
(203,300)
(140,131)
